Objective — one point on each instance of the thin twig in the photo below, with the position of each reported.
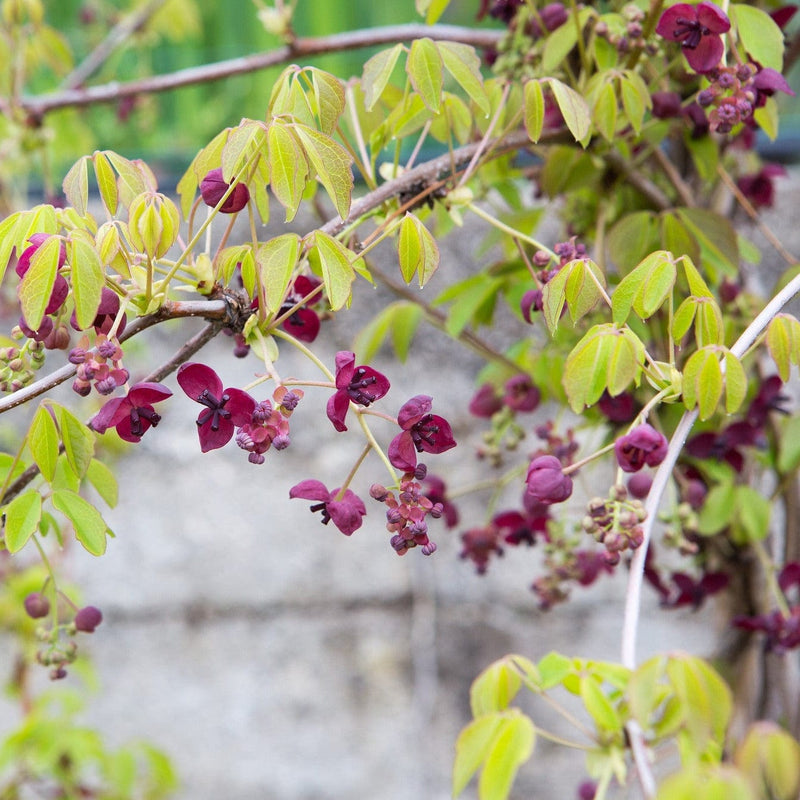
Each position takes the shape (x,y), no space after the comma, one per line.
(299,49)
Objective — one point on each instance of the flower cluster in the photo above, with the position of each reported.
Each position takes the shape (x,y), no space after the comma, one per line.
(342,506)
(360,385)
(570,565)
(102,364)
(268,425)
(644,445)
(407,512)
(698,29)
(422,432)
(616,522)
(133,414)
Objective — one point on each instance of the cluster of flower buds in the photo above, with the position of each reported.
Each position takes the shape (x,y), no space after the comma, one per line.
(269,425)
(18,365)
(627,33)
(407,512)
(567,564)
(616,522)
(102,364)
(58,655)
(548,269)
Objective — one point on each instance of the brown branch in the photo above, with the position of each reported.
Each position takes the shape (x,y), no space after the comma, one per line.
(39,105)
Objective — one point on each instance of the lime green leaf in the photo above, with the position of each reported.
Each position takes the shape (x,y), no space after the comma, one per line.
(76,185)
(767,118)
(642,692)
(472,748)
(243,141)
(708,322)
(104,482)
(718,782)
(462,62)
(37,285)
(494,688)
(604,111)
(433,9)
(329,97)
(337,271)
(600,708)
(735,383)
(376,74)
(702,381)
(561,41)
(65,477)
(534,109)
(645,288)
(476,297)
(635,98)
(424,67)
(584,287)
(287,167)
(770,757)
(632,238)
(683,318)
(276,260)
(87,279)
(760,34)
(22,517)
(783,343)
(106,182)
(513,746)
(752,515)
(553,668)
(697,286)
(90,527)
(417,250)
(331,162)
(717,237)
(132,181)
(573,108)
(405,321)
(789,445)
(718,509)
(78,441)
(43,442)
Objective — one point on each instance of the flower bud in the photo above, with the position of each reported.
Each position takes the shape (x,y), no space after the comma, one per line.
(213,188)
(153,223)
(547,482)
(37,605)
(88,618)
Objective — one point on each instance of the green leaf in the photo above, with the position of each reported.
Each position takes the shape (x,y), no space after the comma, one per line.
(404,322)
(337,271)
(632,238)
(702,381)
(735,383)
(106,182)
(533,101)
(417,250)
(433,9)
(243,141)
(653,281)
(376,74)
(331,162)
(697,286)
(37,285)
(276,260)
(560,42)
(424,67)
(708,329)
(329,97)
(604,111)
(393,317)
(553,668)
(76,185)
(760,35)
(573,108)
(789,445)
(717,237)
(43,442)
(635,99)
(513,746)
(88,279)
(600,708)
(494,688)
(472,748)
(131,182)
(462,62)
(767,118)
(718,510)
(783,343)
(22,516)
(78,441)
(288,168)
(770,757)
(90,527)
(642,692)
(474,296)
(65,477)
(717,782)
(752,515)
(104,482)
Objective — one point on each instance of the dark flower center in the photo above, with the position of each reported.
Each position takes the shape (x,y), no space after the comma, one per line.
(689,32)
(424,431)
(323,507)
(140,413)
(358,384)
(216,409)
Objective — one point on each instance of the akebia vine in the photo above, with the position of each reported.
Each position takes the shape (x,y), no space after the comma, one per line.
(639,122)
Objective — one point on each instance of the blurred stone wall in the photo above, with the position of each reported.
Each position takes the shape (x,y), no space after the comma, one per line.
(274,658)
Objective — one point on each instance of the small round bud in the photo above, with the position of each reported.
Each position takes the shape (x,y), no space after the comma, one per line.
(378,492)
(58,673)
(37,605)
(428,549)
(88,618)
(420,471)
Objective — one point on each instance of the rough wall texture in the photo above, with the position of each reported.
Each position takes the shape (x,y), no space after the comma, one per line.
(274,658)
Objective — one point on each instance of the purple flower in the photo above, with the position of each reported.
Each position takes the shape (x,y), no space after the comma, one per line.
(759,187)
(666,105)
(345,511)
(531,301)
(106,314)
(303,323)
(225,409)
(783,633)
(213,187)
(422,432)
(767,81)
(479,545)
(88,618)
(698,30)
(521,393)
(687,591)
(36,605)
(485,402)
(133,414)
(361,385)
(546,481)
(620,408)
(643,445)
(60,288)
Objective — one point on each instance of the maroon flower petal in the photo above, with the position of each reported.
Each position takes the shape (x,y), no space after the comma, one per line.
(211,439)
(147,392)
(402,453)
(337,408)
(347,512)
(194,378)
(438,441)
(706,55)
(712,17)
(303,325)
(345,367)
(413,410)
(110,414)
(125,426)
(240,405)
(310,489)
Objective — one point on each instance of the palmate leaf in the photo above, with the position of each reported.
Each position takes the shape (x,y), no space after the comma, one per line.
(337,269)
(276,260)
(495,687)
(37,285)
(288,167)
(462,62)
(86,272)
(331,162)
(22,517)
(90,527)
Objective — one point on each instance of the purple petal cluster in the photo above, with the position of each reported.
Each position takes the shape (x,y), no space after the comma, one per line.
(345,509)
(546,481)
(644,445)
(698,29)
(133,414)
(421,432)
(213,187)
(360,385)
